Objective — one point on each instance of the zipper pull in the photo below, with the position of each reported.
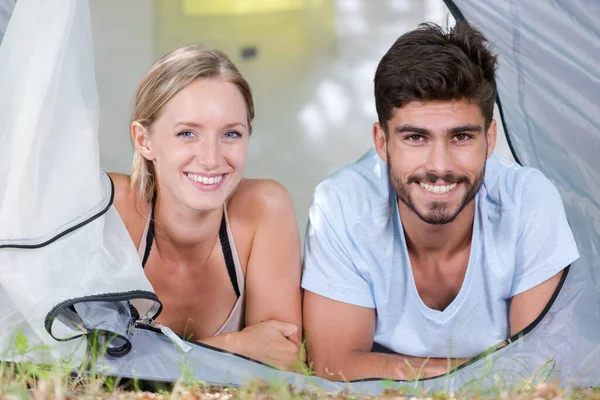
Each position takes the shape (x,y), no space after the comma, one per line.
(140,322)
(176,339)
(135,316)
(131,327)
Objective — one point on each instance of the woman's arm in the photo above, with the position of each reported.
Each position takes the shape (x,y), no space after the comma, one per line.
(273,310)
(274,265)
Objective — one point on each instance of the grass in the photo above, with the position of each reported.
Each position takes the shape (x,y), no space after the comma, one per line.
(52,383)
(26,380)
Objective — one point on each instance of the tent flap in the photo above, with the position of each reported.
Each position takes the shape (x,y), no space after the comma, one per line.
(67,266)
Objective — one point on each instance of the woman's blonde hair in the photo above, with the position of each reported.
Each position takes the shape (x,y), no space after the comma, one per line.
(166,78)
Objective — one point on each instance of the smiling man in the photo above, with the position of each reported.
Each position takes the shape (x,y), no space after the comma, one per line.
(430,249)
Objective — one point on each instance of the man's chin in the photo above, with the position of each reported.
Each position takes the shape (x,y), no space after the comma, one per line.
(438,220)
(437,217)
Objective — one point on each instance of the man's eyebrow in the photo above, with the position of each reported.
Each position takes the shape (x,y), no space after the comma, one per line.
(465,128)
(411,129)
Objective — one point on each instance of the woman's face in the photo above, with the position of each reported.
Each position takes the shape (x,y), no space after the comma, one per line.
(199,143)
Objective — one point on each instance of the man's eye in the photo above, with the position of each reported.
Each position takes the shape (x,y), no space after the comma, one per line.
(414,138)
(462,137)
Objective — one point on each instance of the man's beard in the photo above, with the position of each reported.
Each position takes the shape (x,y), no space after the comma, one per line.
(438,212)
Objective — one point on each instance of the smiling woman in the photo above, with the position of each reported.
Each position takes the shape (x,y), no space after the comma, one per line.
(222,252)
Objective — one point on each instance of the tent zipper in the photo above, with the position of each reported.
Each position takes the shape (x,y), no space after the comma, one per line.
(165,330)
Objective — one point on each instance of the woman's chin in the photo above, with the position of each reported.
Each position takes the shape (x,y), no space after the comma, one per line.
(206,206)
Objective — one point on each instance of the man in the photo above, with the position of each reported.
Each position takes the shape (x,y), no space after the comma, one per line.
(429,246)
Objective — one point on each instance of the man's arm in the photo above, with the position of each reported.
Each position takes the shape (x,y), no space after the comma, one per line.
(339,338)
(525,307)
(545,247)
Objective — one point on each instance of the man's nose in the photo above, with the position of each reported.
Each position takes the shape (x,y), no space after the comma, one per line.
(439,159)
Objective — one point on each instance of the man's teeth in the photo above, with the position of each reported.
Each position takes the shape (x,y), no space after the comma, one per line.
(438,189)
(205,180)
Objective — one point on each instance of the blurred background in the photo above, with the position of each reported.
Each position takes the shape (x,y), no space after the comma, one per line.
(310,63)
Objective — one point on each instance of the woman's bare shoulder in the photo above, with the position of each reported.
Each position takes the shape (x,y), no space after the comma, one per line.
(124,198)
(258,196)
(258,207)
(129,204)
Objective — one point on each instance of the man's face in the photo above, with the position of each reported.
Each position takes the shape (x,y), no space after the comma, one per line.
(436,153)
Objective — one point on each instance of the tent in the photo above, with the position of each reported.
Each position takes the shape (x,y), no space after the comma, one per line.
(68,270)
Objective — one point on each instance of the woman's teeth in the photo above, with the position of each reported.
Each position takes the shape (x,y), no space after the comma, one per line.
(438,189)
(205,180)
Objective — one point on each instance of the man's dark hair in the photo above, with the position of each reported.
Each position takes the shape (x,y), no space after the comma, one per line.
(431,63)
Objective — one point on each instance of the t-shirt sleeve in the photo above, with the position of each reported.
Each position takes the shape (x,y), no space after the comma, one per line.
(545,244)
(329,270)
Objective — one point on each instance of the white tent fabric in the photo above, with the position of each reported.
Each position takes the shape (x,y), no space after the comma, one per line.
(65,270)
(549,90)
(68,267)
(6,8)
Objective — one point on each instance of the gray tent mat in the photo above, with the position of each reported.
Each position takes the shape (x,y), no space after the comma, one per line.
(545,351)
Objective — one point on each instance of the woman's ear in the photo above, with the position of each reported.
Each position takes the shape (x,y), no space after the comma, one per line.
(141,140)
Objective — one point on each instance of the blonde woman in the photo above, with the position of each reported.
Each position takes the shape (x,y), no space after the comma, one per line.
(222,252)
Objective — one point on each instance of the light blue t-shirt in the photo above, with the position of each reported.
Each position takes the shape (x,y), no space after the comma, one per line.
(355,252)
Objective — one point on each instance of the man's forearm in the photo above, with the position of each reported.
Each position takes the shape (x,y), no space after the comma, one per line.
(360,365)
(419,367)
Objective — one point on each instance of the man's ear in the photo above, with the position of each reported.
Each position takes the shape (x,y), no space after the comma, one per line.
(141,140)
(491,134)
(380,141)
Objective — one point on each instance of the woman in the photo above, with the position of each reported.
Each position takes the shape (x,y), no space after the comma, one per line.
(222,252)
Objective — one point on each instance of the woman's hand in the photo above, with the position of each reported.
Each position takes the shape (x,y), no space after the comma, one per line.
(273,342)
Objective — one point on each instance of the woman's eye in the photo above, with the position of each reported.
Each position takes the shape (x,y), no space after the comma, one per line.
(232,134)
(185,134)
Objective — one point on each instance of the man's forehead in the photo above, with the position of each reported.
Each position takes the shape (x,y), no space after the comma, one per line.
(437,113)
